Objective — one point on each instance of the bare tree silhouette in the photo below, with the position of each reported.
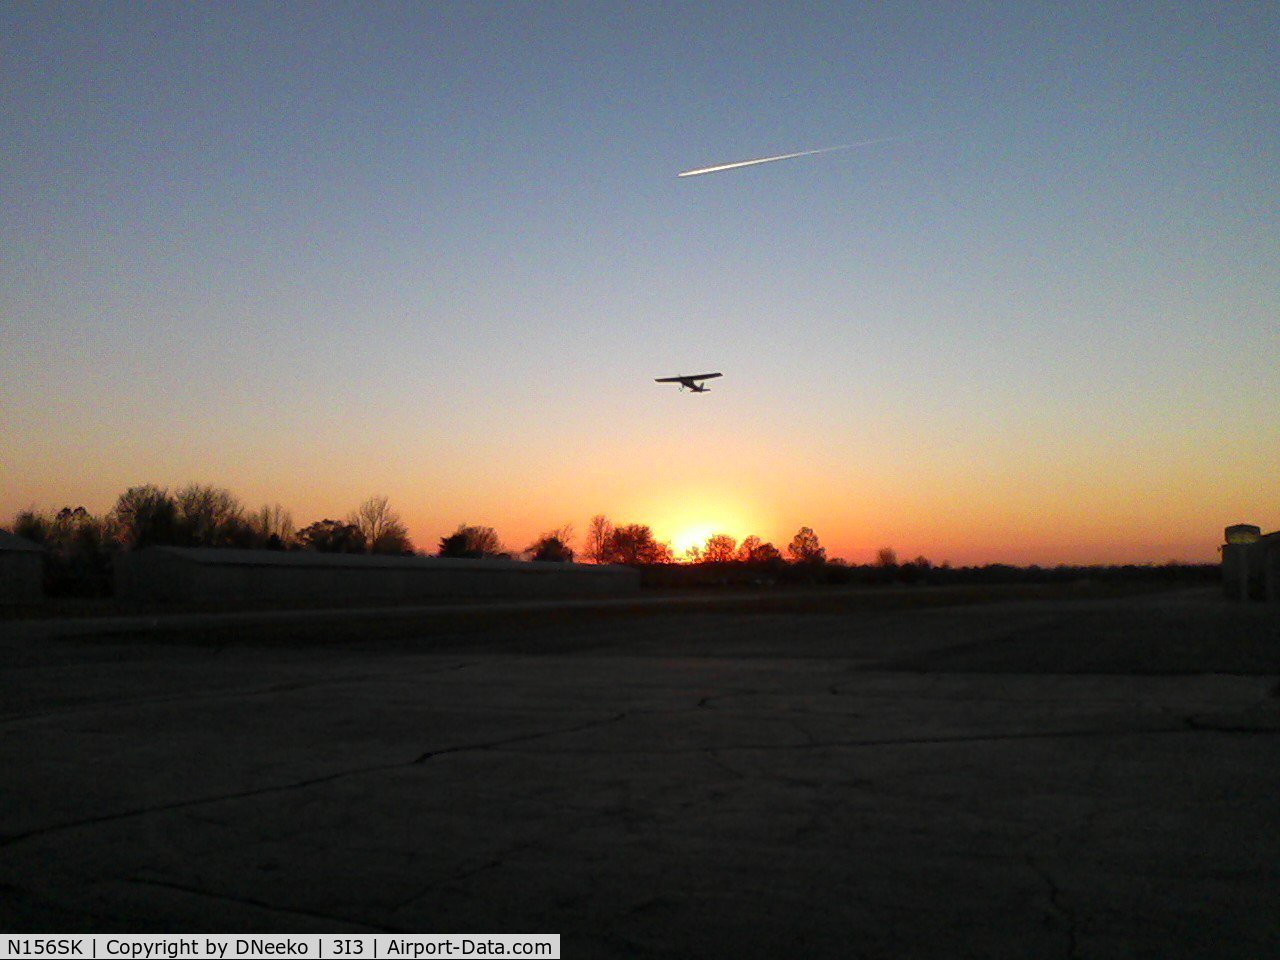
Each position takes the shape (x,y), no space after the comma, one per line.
(598,533)
(272,527)
(210,516)
(381,527)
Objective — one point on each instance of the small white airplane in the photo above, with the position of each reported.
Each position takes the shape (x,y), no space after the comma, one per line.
(690,382)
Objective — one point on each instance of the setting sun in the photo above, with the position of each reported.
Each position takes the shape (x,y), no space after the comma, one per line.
(694,537)
(698,515)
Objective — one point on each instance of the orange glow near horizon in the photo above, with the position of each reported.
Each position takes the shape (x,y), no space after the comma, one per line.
(697,515)
(1088,522)
(1100,516)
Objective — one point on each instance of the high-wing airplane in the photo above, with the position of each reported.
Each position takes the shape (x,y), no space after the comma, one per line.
(690,382)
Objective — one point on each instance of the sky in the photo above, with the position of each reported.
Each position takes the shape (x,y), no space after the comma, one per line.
(439,252)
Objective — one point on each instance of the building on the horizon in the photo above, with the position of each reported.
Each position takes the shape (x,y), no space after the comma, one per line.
(21,570)
(1251,563)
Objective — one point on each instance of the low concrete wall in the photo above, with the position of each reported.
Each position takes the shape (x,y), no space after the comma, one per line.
(21,570)
(228,576)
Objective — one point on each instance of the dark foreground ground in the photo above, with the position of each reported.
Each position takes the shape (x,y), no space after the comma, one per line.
(1047,777)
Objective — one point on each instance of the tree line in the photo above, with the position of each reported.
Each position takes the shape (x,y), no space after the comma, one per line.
(634,544)
(79,546)
(199,515)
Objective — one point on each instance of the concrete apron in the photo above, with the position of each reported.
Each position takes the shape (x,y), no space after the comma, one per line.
(754,795)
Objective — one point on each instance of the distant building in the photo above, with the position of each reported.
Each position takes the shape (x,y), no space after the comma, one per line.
(1251,563)
(205,575)
(21,570)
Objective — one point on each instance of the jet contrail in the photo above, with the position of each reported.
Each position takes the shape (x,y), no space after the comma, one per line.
(784,156)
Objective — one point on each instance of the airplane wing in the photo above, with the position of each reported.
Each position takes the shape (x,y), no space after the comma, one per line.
(698,376)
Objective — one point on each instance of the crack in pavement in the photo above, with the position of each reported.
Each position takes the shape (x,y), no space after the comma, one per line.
(1060,907)
(10,839)
(493,744)
(286,687)
(492,863)
(261,904)
(1188,725)
(852,689)
(915,741)
(711,698)
(800,729)
(1204,725)
(731,771)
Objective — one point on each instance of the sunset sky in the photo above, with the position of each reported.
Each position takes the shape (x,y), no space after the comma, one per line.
(440,252)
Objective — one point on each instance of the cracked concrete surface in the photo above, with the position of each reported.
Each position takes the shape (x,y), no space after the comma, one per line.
(936,782)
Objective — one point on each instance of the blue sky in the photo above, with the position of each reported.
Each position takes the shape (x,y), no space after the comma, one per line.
(439,251)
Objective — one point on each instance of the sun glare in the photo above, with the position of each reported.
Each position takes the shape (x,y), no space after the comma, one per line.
(685,519)
(690,538)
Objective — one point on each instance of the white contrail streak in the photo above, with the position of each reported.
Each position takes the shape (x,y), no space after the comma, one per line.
(784,156)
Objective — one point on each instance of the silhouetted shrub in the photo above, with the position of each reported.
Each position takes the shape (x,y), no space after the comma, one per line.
(145,516)
(469,542)
(720,548)
(77,550)
(550,548)
(635,545)
(210,516)
(331,536)
(805,548)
